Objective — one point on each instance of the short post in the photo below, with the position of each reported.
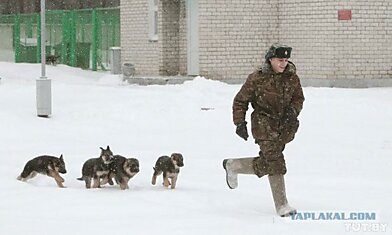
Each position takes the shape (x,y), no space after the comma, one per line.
(43,84)
(115,60)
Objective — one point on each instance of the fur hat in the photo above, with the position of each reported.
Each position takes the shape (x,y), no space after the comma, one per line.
(278,51)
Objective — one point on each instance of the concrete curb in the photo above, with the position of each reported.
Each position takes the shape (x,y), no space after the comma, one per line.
(347,83)
(338,83)
(145,81)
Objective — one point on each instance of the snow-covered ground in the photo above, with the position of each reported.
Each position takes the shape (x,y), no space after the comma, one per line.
(340,160)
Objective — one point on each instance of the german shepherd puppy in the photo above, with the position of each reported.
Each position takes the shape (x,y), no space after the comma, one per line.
(46,165)
(97,168)
(122,170)
(170,166)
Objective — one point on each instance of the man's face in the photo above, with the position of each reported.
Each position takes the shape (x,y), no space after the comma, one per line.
(279,64)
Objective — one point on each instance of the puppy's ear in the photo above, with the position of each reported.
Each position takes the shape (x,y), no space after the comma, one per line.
(175,156)
(61,157)
(101,148)
(107,147)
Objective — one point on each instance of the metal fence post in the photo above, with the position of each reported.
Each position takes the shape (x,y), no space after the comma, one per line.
(17,38)
(65,38)
(73,38)
(94,40)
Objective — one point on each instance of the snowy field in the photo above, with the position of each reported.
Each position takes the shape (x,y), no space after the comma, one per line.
(340,161)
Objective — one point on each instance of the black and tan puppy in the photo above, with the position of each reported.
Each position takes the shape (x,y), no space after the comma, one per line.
(170,166)
(46,165)
(52,59)
(97,168)
(122,170)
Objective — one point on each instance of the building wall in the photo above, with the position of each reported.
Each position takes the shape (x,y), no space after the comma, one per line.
(327,48)
(233,35)
(167,55)
(169,37)
(182,66)
(136,48)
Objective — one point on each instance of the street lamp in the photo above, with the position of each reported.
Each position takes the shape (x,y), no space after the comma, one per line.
(43,84)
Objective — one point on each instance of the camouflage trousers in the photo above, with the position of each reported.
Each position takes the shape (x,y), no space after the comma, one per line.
(271,160)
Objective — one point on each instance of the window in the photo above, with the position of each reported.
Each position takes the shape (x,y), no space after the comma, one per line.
(153,20)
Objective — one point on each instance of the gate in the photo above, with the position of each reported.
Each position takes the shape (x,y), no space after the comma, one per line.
(79,38)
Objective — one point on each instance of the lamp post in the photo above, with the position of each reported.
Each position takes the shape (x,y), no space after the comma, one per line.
(43,84)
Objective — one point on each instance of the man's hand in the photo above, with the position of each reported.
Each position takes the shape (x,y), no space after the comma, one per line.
(242,131)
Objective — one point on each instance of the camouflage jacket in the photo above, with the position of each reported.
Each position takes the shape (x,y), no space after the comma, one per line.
(273,96)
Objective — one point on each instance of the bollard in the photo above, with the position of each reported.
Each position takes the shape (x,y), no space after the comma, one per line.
(44,100)
(115,60)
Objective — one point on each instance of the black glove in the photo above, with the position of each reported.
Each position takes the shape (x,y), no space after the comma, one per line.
(242,131)
(289,125)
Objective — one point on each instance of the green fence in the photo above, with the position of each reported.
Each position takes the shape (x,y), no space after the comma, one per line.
(79,38)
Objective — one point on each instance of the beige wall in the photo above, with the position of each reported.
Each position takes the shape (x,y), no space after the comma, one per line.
(182,39)
(169,37)
(328,48)
(167,55)
(233,37)
(136,48)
